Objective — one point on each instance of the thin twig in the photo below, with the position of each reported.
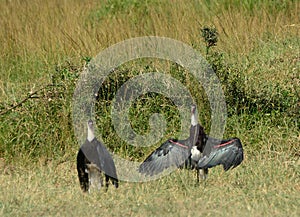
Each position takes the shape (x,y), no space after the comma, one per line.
(30,96)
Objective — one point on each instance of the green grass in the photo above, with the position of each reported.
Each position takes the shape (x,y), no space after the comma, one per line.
(44,47)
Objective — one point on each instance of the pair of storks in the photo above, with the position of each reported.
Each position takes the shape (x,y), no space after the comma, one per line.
(198,151)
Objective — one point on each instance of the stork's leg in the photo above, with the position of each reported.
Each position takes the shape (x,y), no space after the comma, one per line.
(202,174)
(94,176)
(106,181)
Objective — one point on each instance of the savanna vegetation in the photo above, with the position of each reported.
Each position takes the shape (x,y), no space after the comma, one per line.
(253,47)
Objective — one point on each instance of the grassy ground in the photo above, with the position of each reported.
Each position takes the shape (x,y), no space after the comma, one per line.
(259,187)
(257,58)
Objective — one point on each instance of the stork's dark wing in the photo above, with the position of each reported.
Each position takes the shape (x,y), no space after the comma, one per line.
(170,153)
(106,162)
(229,153)
(96,153)
(81,169)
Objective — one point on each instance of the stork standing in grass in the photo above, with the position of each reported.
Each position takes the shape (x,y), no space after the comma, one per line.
(199,152)
(93,159)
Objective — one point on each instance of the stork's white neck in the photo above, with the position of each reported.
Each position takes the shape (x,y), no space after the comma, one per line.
(194,120)
(91,134)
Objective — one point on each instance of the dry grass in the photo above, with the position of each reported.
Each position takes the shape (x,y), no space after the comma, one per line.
(253,189)
(70,28)
(36,35)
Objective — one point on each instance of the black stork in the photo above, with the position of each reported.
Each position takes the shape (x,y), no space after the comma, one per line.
(92,159)
(199,152)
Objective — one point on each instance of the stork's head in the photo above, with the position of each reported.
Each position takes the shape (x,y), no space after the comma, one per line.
(193,109)
(91,131)
(90,123)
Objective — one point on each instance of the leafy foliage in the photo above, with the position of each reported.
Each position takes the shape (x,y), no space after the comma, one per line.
(210,36)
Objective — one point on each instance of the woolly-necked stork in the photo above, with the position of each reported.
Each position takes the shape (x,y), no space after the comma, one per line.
(173,152)
(199,152)
(92,159)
